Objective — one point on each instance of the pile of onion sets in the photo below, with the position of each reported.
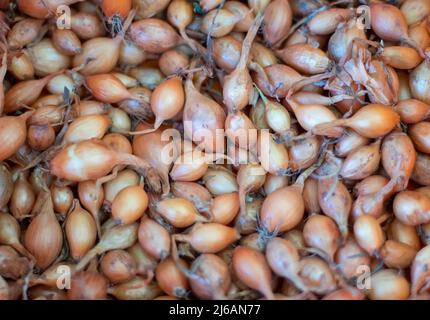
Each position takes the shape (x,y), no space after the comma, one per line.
(214,149)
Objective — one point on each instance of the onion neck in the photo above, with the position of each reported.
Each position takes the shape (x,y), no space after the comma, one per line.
(49,77)
(131,160)
(295,106)
(127,23)
(190,89)
(338,98)
(89,256)
(25,116)
(247,42)
(411,42)
(195,46)
(200,218)
(307,81)
(157,124)
(322,129)
(300,181)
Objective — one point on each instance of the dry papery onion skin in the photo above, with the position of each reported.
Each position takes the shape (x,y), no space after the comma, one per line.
(236,149)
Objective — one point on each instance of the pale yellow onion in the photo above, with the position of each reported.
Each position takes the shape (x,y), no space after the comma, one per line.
(46,59)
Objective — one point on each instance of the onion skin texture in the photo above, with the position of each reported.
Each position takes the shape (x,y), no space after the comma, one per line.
(362,162)
(66,42)
(190,166)
(241,11)
(87,25)
(179,212)
(283,258)
(277,21)
(418,82)
(251,268)
(281,78)
(397,254)
(371,184)
(153,141)
(420,270)
(350,257)
(283,209)
(310,196)
(337,205)
(412,207)
(219,22)
(167,100)
(349,142)
(412,110)
(129,204)
(6,185)
(143,263)
(12,266)
(225,208)
(13,132)
(47,61)
(149,8)
(202,114)
(137,288)
(326,22)
(388,22)
(70,163)
(194,192)
(173,62)
(421,173)
(44,237)
(205,237)
(118,142)
(107,88)
(404,233)
(211,278)
(42,10)
(415,10)
(322,233)
(113,8)
(420,135)
(87,127)
(23,198)
(388,284)
(371,121)
(170,278)
(88,285)
(118,266)
(273,183)
(81,232)
(40,137)
(305,58)
(215,149)
(342,38)
(317,275)
(154,238)
(21,67)
(401,57)
(369,234)
(10,233)
(114,237)
(23,33)
(398,158)
(226,52)
(153,35)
